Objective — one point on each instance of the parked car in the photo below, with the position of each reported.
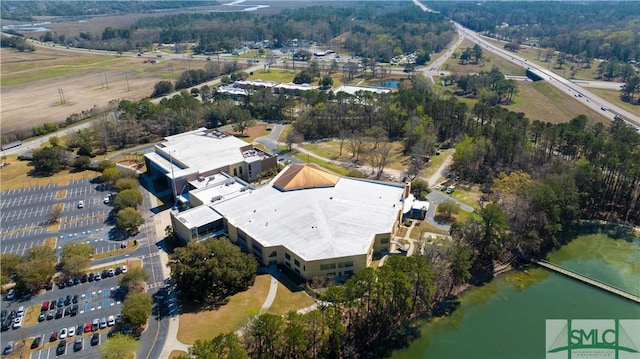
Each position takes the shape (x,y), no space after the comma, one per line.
(52,305)
(75,299)
(60,302)
(103,323)
(98,277)
(118,270)
(95,339)
(111,321)
(62,347)
(53,337)
(80,204)
(9,348)
(80,329)
(110,272)
(45,307)
(87,327)
(6,324)
(74,310)
(42,317)
(67,300)
(36,342)
(71,332)
(77,345)
(11,295)
(70,282)
(20,311)
(67,311)
(84,278)
(95,325)
(63,333)
(51,314)
(91,277)
(17,323)
(124,269)
(76,280)
(59,313)
(119,318)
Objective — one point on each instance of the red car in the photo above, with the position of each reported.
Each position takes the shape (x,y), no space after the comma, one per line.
(87,327)
(45,307)
(54,336)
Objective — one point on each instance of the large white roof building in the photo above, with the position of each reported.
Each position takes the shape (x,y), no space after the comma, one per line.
(314,222)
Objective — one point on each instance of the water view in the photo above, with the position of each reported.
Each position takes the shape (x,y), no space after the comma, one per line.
(506,318)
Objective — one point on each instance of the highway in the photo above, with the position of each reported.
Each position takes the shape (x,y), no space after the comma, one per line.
(605,108)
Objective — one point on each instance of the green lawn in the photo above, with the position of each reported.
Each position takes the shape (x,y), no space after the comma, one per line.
(330,166)
(287,301)
(276,75)
(492,60)
(613,96)
(207,324)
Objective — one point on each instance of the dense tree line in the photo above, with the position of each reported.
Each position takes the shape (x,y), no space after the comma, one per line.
(592,29)
(374,31)
(17,42)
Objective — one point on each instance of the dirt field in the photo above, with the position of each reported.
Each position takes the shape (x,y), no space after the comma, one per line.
(31,81)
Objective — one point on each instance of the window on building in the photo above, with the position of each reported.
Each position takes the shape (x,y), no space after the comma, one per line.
(274,262)
(297,270)
(287,264)
(273,254)
(348,264)
(328,266)
(384,240)
(286,255)
(296,262)
(235,171)
(304,268)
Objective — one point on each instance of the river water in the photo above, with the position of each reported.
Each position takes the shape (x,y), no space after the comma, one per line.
(506,318)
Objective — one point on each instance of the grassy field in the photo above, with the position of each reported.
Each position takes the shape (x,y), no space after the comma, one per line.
(542,101)
(228,318)
(176,354)
(276,75)
(16,175)
(503,65)
(434,163)
(331,149)
(329,166)
(287,301)
(116,252)
(467,195)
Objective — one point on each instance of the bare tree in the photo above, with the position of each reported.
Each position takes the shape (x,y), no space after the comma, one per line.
(293,137)
(356,142)
(379,156)
(55,212)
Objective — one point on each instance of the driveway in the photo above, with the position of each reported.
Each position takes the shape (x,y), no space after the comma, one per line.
(437,197)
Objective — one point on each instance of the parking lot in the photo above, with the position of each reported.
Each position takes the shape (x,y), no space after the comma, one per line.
(25,214)
(96,300)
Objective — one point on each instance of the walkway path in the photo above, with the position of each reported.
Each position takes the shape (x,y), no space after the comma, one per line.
(593,282)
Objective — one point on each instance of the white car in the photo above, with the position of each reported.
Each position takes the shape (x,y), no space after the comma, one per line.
(17,323)
(71,332)
(111,321)
(63,333)
(80,204)
(124,268)
(20,311)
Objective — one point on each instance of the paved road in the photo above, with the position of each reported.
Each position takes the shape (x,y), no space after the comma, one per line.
(589,99)
(270,142)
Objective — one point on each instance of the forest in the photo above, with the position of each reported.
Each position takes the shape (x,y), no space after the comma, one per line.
(376,31)
(591,29)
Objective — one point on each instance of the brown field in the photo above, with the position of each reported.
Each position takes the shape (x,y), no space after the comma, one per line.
(30,83)
(541,101)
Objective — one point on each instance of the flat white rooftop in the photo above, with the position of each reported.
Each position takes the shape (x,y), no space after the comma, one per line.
(353,89)
(198,216)
(317,223)
(218,191)
(197,151)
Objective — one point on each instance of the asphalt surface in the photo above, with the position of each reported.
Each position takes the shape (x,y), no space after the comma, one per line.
(25,214)
(96,300)
(270,142)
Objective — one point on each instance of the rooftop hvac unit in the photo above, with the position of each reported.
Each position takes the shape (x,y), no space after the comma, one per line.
(245,188)
(200,179)
(229,181)
(216,198)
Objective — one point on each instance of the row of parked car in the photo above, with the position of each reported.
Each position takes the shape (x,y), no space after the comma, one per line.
(70,282)
(12,319)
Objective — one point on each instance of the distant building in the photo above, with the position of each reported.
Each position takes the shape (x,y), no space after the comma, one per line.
(190,156)
(309,220)
(353,89)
